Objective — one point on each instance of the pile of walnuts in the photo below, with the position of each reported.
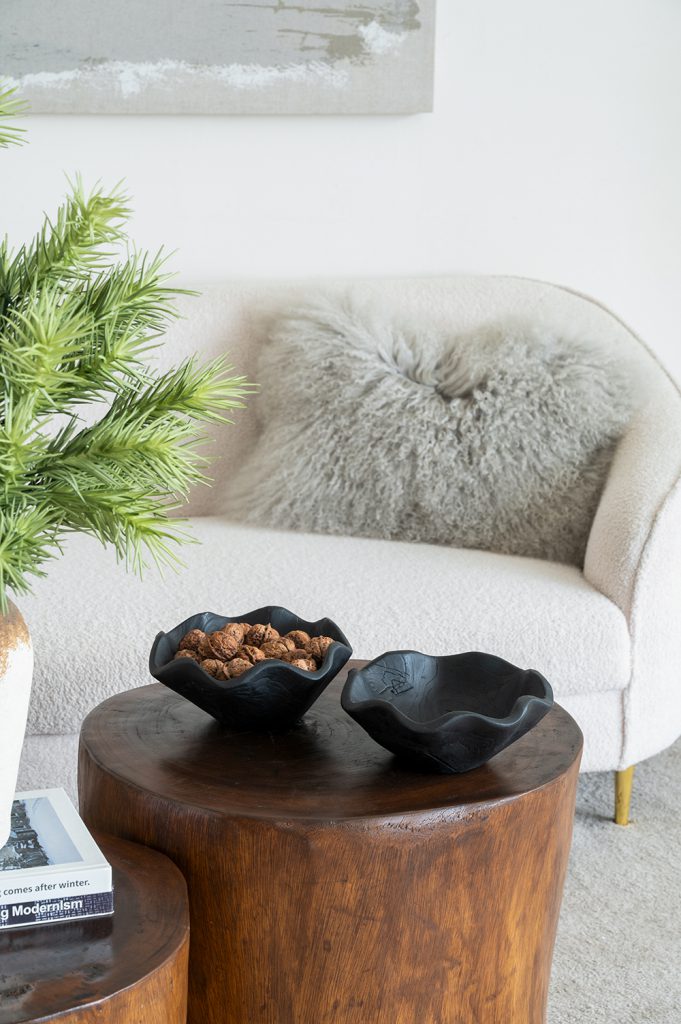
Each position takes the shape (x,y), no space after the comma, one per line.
(232,650)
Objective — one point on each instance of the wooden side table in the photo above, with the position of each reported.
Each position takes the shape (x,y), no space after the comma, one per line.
(327,883)
(127,969)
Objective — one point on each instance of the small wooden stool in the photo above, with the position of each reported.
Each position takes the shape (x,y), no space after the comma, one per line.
(330,885)
(130,968)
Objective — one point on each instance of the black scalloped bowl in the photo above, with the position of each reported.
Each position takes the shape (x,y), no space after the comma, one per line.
(272,696)
(448,714)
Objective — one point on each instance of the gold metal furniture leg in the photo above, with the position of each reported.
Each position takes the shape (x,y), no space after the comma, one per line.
(623,783)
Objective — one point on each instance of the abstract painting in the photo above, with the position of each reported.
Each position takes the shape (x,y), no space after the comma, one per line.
(220,56)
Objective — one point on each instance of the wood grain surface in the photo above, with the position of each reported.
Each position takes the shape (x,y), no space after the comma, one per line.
(130,968)
(327,883)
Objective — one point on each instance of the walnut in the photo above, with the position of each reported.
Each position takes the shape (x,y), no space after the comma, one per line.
(236,629)
(261,634)
(277,648)
(297,654)
(189,655)
(218,645)
(237,667)
(317,646)
(299,637)
(191,640)
(308,664)
(251,654)
(214,668)
(205,650)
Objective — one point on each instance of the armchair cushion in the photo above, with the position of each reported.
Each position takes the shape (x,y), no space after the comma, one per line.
(92,626)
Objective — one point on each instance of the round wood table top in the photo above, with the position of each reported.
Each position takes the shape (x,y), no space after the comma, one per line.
(105,969)
(326,767)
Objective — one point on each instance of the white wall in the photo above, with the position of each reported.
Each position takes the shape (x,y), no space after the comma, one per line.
(555,152)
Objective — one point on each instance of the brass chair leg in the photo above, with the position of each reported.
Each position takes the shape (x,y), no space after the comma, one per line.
(623,784)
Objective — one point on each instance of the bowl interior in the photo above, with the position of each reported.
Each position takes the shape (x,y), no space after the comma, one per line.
(425,688)
(166,644)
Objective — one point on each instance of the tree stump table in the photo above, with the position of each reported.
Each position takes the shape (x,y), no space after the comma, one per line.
(130,968)
(328,883)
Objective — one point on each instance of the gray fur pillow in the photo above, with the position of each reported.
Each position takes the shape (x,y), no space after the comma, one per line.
(498,440)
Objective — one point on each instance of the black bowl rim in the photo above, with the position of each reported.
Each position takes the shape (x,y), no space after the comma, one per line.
(519,709)
(259,667)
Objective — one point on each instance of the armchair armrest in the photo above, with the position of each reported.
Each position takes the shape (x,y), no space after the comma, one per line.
(639,494)
(634,558)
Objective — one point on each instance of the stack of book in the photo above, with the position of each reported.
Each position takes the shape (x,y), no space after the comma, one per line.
(51,869)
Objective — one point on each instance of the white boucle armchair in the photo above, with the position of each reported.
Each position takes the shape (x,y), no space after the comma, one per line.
(608,636)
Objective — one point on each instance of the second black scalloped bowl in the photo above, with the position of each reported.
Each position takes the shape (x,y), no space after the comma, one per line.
(448,714)
(272,696)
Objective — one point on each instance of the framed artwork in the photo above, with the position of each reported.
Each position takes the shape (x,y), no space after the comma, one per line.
(220,56)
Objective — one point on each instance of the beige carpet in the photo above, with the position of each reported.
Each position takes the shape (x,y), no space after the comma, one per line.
(618,953)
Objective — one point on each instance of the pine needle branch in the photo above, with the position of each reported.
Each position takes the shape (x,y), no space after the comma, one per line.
(28,538)
(10,107)
(130,521)
(70,248)
(76,324)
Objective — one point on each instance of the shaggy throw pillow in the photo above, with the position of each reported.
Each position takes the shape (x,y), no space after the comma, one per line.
(498,440)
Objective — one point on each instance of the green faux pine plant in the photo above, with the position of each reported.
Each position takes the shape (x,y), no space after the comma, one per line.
(10,106)
(76,324)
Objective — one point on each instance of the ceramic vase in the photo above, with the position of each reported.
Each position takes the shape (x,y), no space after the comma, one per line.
(16,672)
